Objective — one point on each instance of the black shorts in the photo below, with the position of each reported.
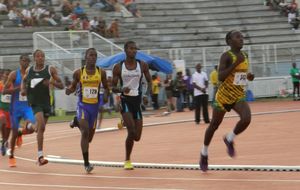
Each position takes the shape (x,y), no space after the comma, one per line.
(131,104)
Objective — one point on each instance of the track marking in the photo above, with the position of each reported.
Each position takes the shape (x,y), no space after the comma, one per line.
(152,178)
(78,187)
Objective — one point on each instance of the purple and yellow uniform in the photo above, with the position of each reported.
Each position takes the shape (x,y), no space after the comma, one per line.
(88,102)
(232,90)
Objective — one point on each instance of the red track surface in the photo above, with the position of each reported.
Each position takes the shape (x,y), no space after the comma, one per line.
(272,139)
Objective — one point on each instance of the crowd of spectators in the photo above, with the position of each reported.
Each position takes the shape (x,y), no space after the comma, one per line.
(128,8)
(288,8)
(71,14)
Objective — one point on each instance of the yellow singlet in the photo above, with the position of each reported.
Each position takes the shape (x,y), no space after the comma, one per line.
(232,90)
(89,86)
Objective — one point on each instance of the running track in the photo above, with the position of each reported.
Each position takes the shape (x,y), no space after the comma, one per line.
(272,139)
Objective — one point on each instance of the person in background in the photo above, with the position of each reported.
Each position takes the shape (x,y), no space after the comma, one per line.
(155,92)
(189,91)
(178,88)
(200,83)
(214,81)
(169,88)
(294,72)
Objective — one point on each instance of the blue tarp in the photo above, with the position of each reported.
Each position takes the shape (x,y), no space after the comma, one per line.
(155,63)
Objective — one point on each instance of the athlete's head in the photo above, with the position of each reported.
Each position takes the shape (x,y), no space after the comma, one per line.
(39,57)
(24,61)
(91,56)
(235,39)
(130,49)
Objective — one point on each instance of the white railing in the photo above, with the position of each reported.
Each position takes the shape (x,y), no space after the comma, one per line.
(265,60)
(64,49)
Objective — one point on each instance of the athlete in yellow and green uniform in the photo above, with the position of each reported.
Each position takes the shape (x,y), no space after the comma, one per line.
(233,75)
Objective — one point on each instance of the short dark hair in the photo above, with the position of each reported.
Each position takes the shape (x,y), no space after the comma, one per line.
(38,50)
(128,43)
(26,56)
(228,36)
(88,50)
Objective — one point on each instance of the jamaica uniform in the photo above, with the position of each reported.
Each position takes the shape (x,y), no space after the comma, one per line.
(38,94)
(88,102)
(131,102)
(19,104)
(232,90)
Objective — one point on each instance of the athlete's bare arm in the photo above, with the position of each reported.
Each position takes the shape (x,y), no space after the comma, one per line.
(76,78)
(148,77)
(23,84)
(105,85)
(10,81)
(115,78)
(57,82)
(226,65)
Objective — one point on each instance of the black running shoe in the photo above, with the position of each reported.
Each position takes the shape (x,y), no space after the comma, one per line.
(230,147)
(203,163)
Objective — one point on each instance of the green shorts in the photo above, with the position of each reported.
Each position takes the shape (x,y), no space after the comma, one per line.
(46,109)
(226,107)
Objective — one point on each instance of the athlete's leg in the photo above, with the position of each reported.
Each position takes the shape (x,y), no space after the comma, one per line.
(85,130)
(15,128)
(217,118)
(131,133)
(5,130)
(100,117)
(87,117)
(243,110)
(40,128)
(92,123)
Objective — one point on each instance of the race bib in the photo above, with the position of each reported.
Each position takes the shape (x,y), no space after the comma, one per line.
(90,92)
(5,98)
(22,98)
(240,78)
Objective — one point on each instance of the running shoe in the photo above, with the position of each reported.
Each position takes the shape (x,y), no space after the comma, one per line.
(74,122)
(12,162)
(42,161)
(120,125)
(203,163)
(128,165)
(89,168)
(230,147)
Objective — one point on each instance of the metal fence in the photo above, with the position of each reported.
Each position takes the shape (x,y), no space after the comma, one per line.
(65,50)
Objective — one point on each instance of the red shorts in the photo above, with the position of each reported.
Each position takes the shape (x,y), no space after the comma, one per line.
(6,115)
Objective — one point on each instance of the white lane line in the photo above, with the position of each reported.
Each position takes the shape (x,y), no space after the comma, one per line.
(152,178)
(79,187)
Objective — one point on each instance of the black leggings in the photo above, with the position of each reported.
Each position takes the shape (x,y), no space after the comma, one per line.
(296,89)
